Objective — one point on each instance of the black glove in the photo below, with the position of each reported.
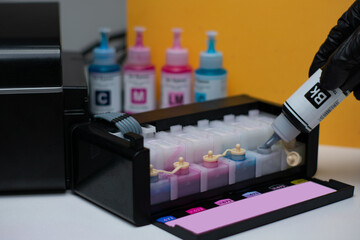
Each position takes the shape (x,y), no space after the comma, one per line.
(339,55)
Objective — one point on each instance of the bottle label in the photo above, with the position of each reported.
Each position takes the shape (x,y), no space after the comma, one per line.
(210,89)
(317,96)
(139,91)
(175,89)
(105,92)
(310,103)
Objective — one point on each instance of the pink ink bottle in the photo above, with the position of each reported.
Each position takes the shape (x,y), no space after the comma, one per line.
(176,75)
(139,78)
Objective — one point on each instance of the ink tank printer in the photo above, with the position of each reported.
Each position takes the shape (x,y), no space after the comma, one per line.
(31,98)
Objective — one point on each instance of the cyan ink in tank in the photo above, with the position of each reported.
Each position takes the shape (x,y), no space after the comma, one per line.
(244,163)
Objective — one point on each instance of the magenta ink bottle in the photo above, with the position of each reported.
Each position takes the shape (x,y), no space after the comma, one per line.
(176,75)
(139,78)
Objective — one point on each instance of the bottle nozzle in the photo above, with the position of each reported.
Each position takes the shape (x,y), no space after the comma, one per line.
(104,54)
(139,36)
(211,41)
(177,38)
(104,38)
(266,148)
(176,55)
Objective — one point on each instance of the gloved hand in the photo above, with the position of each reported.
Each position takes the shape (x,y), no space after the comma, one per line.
(339,55)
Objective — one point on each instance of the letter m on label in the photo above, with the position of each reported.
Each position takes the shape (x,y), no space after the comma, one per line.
(138,95)
(317,96)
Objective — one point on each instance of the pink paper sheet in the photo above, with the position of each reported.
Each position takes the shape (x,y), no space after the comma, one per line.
(251,207)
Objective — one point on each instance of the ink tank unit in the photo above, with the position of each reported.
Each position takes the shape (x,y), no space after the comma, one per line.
(177,175)
(31,98)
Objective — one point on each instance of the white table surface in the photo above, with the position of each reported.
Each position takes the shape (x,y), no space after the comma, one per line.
(66,216)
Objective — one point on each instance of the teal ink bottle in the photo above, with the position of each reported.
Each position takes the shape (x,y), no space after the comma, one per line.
(211,77)
(104,78)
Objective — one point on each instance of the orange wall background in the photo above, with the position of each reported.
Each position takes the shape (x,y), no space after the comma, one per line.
(268,46)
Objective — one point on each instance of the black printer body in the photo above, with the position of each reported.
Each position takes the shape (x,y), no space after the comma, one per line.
(32,103)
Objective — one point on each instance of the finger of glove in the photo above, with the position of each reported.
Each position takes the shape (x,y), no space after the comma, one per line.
(357,92)
(353,80)
(348,22)
(343,63)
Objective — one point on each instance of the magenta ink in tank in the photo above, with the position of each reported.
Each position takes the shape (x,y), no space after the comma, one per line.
(184,182)
(214,173)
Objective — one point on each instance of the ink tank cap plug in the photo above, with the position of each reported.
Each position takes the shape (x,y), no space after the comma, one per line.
(211,59)
(284,129)
(104,55)
(154,174)
(238,150)
(182,165)
(236,153)
(210,160)
(177,56)
(139,54)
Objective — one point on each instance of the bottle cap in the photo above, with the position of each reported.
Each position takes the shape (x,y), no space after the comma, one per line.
(284,129)
(211,59)
(139,54)
(104,55)
(177,56)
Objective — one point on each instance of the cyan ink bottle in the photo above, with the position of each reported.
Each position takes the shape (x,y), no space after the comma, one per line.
(139,78)
(176,75)
(211,77)
(104,79)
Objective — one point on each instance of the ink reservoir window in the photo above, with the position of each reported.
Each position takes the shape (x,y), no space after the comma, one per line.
(223,152)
